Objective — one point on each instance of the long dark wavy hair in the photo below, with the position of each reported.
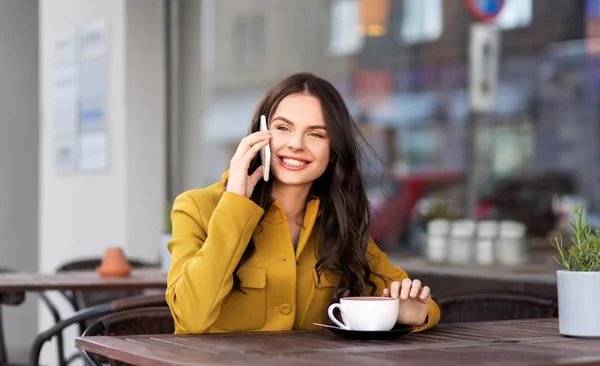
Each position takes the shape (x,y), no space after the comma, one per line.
(344,216)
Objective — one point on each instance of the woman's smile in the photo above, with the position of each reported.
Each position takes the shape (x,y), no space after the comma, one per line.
(292,163)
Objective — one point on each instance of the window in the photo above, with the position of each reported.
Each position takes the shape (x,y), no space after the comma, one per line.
(344,37)
(420,147)
(515,14)
(249,42)
(421,20)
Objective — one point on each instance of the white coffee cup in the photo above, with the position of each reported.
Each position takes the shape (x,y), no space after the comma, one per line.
(366,313)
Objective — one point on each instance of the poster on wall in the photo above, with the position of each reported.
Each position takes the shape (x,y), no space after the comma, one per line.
(93,83)
(66,91)
(93,95)
(66,134)
(80,94)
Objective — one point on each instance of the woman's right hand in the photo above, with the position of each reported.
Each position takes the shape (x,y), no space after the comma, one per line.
(239,181)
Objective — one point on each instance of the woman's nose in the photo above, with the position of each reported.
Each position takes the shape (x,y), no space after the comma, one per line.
(296,142)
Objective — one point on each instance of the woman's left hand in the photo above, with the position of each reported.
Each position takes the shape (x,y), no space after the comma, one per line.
(413,301)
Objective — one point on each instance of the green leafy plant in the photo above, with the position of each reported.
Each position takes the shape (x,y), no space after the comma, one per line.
(583,255)
(437,210)
(167,224)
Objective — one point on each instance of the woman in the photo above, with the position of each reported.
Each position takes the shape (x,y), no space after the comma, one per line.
(255,255)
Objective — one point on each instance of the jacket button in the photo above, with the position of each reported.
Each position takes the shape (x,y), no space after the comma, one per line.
(285,309)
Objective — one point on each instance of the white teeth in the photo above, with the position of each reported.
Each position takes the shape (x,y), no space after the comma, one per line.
(293,162)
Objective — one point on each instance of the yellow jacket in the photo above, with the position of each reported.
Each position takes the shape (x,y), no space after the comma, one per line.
(211,229)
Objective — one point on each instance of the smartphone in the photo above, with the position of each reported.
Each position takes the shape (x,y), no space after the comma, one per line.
(265,152)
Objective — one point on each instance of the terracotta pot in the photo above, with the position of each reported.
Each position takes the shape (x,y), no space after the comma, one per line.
(114,264)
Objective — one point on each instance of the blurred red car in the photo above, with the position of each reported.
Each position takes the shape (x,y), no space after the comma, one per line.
(392,216)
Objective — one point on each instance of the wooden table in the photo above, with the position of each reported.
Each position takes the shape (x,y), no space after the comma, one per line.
(14,284)
(145,278)
(515,342)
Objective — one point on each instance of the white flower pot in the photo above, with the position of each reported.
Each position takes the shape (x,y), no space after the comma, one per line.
(579,303)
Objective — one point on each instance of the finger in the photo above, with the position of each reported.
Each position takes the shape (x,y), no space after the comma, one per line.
(255,177)
(254,150)
(249,141)
(253,138)
(425,293)
(405,288)
(395,289)
(415,288)
(386,292)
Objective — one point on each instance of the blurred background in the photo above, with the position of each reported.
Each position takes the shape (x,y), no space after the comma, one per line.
(483,118)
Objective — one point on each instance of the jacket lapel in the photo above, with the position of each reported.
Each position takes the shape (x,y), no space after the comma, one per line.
(310,216)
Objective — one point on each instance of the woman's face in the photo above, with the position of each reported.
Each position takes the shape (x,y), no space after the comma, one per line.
(299,144)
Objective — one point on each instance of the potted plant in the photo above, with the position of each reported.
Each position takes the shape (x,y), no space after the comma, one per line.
(578,284)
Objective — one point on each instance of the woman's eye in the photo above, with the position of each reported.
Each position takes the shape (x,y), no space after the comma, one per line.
(283,128)
(317,135)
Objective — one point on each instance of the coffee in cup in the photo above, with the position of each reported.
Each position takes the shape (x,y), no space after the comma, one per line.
(366,313)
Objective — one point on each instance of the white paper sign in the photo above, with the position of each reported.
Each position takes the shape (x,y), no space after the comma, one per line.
(66,106)
(65,80)
(92,152)
(93,39)
(64,46)
(65,153)
(93,95)
(65,117)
